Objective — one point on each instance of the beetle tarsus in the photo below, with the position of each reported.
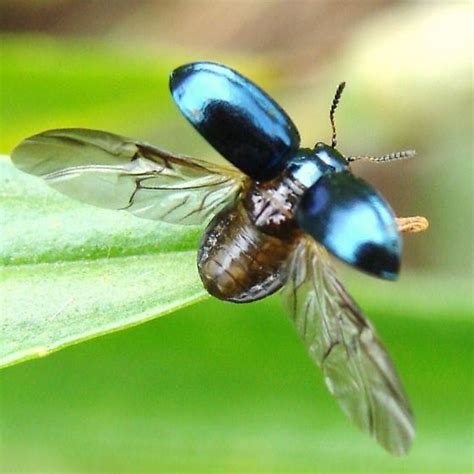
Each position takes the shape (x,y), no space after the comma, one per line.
(412,224)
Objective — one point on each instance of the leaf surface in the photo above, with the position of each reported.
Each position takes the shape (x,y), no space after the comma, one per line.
(71,272)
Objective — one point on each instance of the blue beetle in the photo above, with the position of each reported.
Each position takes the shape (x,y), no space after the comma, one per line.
(341,212)
(275,215)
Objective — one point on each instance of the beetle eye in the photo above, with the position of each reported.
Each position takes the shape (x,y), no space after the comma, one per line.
(330,157)
(321,150)
(326,159)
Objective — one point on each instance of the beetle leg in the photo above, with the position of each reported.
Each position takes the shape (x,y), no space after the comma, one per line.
(412,224)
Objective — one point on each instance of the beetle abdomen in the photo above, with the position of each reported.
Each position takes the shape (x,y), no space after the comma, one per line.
(239,263)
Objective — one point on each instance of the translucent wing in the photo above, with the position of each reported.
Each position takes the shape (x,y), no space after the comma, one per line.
(356,367)
(110,171)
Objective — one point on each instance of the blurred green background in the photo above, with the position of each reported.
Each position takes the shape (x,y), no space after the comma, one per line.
(225,388)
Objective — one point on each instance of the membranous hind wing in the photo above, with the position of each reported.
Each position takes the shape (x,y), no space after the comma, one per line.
(356,367)
(114,172)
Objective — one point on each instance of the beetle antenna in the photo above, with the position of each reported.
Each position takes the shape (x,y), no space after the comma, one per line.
(398,155)
(335,101)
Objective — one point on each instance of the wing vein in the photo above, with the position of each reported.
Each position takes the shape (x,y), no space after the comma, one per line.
(339,339)
(113,172)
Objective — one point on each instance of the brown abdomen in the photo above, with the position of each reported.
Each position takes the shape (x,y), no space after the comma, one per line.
(239,263)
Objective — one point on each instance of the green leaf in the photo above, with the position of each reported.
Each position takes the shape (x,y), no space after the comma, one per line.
(72,272)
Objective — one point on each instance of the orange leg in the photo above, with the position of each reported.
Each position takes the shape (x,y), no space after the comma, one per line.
(412,224)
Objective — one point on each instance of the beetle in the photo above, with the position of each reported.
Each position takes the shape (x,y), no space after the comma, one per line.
(276,214)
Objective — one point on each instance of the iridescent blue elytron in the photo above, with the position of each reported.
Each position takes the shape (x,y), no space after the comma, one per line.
(339,210)
(236,117)
(269,221)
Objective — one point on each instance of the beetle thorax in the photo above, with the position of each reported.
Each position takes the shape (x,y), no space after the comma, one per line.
(271,205)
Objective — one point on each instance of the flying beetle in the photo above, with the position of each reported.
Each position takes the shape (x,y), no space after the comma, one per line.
(276,214)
